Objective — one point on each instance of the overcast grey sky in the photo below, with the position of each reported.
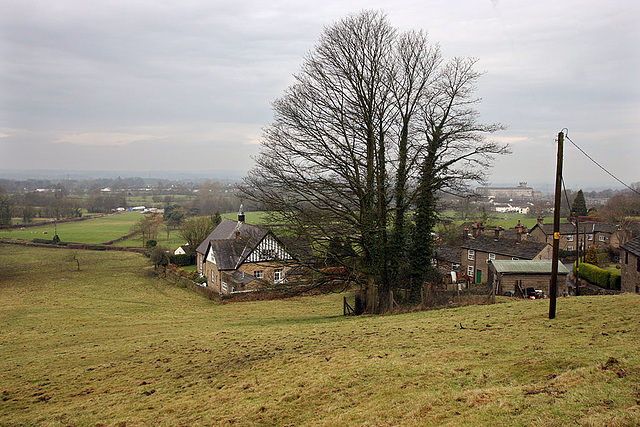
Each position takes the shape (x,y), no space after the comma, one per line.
(188,85)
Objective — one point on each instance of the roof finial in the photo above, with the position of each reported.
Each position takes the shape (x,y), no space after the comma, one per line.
(241,213)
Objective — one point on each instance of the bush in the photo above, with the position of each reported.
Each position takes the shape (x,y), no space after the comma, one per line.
(183,259)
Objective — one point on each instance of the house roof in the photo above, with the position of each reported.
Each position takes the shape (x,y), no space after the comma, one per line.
(226,230)
(632,246)
(231,249)
(527,266)
(569,228)
(509,247)
(448,254)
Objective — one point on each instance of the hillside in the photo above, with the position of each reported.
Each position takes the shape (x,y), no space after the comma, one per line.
(113,345)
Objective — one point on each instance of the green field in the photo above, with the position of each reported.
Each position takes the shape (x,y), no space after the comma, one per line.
(113,345)
(95,230)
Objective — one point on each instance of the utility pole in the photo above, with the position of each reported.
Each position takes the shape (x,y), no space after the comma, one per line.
(553,286)
(577,257)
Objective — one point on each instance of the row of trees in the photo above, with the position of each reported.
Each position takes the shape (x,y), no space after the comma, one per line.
(375,127)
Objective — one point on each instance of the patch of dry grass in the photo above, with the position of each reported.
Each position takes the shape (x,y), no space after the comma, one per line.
(111,344)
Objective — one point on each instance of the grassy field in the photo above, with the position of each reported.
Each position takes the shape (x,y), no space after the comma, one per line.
(113,345)
(94,231)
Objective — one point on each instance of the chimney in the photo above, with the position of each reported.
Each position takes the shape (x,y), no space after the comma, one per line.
(519,236)
(465,234)
(540,220)
(241,214)
(498,231)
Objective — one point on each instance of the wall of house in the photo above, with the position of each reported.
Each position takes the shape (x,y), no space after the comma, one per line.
(480,262)
(223,283)
(630,273)
(507,282)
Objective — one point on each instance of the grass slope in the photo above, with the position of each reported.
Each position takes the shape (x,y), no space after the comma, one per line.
(111,344)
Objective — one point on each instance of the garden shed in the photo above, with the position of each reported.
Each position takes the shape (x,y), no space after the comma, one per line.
(518,275)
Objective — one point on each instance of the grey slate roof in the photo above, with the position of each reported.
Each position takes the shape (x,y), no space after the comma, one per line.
(448,254)
(231,249)
(508,247)
(569,228)
(226,230)
(527,267)
(632,246)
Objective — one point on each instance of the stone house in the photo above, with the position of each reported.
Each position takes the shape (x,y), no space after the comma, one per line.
(479,251)
(518,275)
(594,233)
(240,257)
(630,266)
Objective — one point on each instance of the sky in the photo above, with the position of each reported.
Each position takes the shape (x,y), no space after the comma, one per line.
(149,85)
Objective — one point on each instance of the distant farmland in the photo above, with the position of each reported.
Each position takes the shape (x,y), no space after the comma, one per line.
(95,230)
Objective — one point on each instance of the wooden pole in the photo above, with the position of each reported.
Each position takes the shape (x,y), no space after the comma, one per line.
(553,287)
(577,257)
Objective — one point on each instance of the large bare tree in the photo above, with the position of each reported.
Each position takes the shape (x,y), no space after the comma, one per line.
(375,124)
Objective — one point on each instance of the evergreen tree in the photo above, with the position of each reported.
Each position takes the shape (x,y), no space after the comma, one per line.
(592,255)
(579,206)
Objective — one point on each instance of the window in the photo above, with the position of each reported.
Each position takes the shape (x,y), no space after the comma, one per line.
(513,258)
(569,248)
(471,254)
(491,258)
(626,257)
(602,238)
(590,237)
(455,266)
(277,275)
(470,270)
(570,238)
(258,274)
(224,286)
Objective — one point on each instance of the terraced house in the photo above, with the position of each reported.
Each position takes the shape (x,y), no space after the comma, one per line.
(479,251)
(594,233)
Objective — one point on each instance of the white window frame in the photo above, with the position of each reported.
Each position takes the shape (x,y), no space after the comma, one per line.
(513,258)
(471,254)
(278,275)
(602,238)
(491,257)
(258,274)
(470,270)
(570,248)
(224,287)
(570,238)
(590,237)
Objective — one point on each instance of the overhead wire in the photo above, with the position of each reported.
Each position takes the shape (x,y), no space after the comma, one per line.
(599,165)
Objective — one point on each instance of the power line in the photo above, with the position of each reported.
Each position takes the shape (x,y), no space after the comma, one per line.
(600,166)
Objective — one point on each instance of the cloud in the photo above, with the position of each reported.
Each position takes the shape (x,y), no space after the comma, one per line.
(190,84)
(103,138)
